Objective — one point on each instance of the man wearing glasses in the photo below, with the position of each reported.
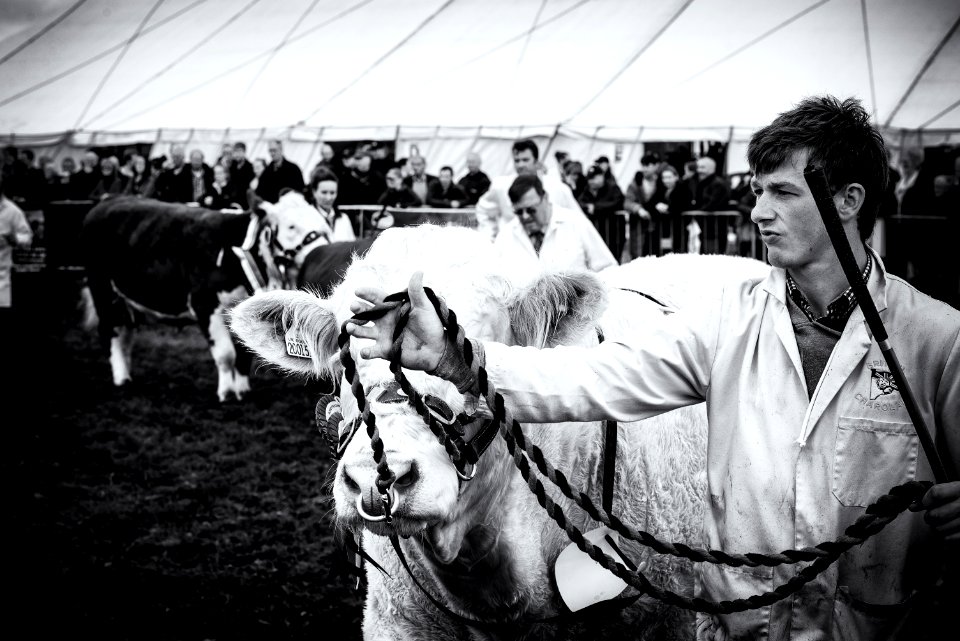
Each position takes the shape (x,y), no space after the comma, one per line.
(545,237)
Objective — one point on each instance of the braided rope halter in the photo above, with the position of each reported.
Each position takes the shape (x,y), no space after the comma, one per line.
(462,453)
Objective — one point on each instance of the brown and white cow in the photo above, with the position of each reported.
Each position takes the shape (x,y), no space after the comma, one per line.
(486,548)
(169,262)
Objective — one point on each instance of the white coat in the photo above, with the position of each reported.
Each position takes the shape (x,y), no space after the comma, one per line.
(784,470)
(494,207)
(570,243)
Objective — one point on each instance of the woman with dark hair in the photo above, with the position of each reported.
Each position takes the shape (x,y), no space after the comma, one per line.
(322,191)
(142,179)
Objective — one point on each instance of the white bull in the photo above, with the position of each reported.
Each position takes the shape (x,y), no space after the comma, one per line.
(487,549)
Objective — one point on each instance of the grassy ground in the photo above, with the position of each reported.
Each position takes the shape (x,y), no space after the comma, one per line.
(157,512)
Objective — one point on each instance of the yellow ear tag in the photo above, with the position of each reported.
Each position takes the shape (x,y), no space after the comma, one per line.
(582,581)
(296,346)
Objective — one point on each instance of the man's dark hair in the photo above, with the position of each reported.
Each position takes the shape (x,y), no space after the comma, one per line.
(240,145)
(447,168)
(650,159)
(522,185)
(839,138)
(524,145)
(320,175)
(29,154)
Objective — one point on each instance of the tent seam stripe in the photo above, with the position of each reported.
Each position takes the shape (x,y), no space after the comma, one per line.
(173,64)
(95,58)
(633,59)
(117,60)
(46,29)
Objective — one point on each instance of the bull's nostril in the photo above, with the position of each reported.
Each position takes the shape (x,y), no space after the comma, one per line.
(351,484)
(408,479)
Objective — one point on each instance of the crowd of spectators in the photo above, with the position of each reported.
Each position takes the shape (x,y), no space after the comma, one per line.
(651,203)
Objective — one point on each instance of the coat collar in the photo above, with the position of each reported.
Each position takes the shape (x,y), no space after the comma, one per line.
(776,284)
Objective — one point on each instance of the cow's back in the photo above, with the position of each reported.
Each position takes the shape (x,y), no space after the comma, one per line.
(324,267)
(158,253)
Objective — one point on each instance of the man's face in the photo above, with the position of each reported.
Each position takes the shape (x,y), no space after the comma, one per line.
(596,181)
(363,164)
(524,162)
(445,178)
(196,159)
(473,163)
(533,211)
(649,170)
(788,219)
(176,156)
(394,179)
(419,165)
(90,160)
(276,152)
(705,167)
(326,152)
(239,154)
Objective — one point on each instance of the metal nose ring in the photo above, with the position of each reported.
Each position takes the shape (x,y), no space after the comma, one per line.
(393,503)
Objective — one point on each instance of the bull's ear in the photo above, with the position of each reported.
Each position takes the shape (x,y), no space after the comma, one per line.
(264,208)
(295,330)
(557,308)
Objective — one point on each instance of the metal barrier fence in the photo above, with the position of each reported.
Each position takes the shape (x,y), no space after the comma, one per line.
(363,216)
(718,232)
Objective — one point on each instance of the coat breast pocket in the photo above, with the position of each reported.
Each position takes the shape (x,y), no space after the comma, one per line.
(871,457)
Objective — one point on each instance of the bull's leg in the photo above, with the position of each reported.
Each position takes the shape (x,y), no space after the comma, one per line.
(121,346)
(244,360)
(212,320)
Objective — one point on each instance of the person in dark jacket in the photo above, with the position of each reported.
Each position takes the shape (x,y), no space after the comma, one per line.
(444,193)
(398,194)
(222,194)
(85,180)
(361,185)
(475,183)
(601,201)
(174,184)
(280,174)
(711,192)
(142,180)
(111,183)
(672,198)
(240,170)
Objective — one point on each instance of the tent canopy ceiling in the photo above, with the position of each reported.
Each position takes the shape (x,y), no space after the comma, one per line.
(669,65)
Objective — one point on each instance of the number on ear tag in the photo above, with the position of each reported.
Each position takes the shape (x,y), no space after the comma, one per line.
(582,581)
(296,346)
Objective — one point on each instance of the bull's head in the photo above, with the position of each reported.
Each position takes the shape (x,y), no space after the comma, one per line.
(432,498)
(292,227)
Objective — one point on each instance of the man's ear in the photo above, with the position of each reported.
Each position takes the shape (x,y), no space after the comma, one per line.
(849,200)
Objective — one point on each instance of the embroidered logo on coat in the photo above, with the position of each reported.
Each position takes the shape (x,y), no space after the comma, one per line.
(881,383)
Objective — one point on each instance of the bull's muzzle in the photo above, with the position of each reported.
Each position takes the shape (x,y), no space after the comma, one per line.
(386,504)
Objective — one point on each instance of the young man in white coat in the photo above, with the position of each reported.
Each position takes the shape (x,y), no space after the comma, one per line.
(806,428)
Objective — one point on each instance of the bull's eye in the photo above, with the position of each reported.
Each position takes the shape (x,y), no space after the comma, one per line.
(439,407)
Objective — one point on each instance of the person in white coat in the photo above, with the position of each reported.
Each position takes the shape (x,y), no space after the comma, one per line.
(542,237)
(14,232)
(494,208)
(324,187)
(806,426)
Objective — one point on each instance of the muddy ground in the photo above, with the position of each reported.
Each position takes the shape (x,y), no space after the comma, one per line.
(157,512)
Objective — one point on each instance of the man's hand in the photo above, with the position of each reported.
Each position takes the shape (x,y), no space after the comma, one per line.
(423,340)
(941,504)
